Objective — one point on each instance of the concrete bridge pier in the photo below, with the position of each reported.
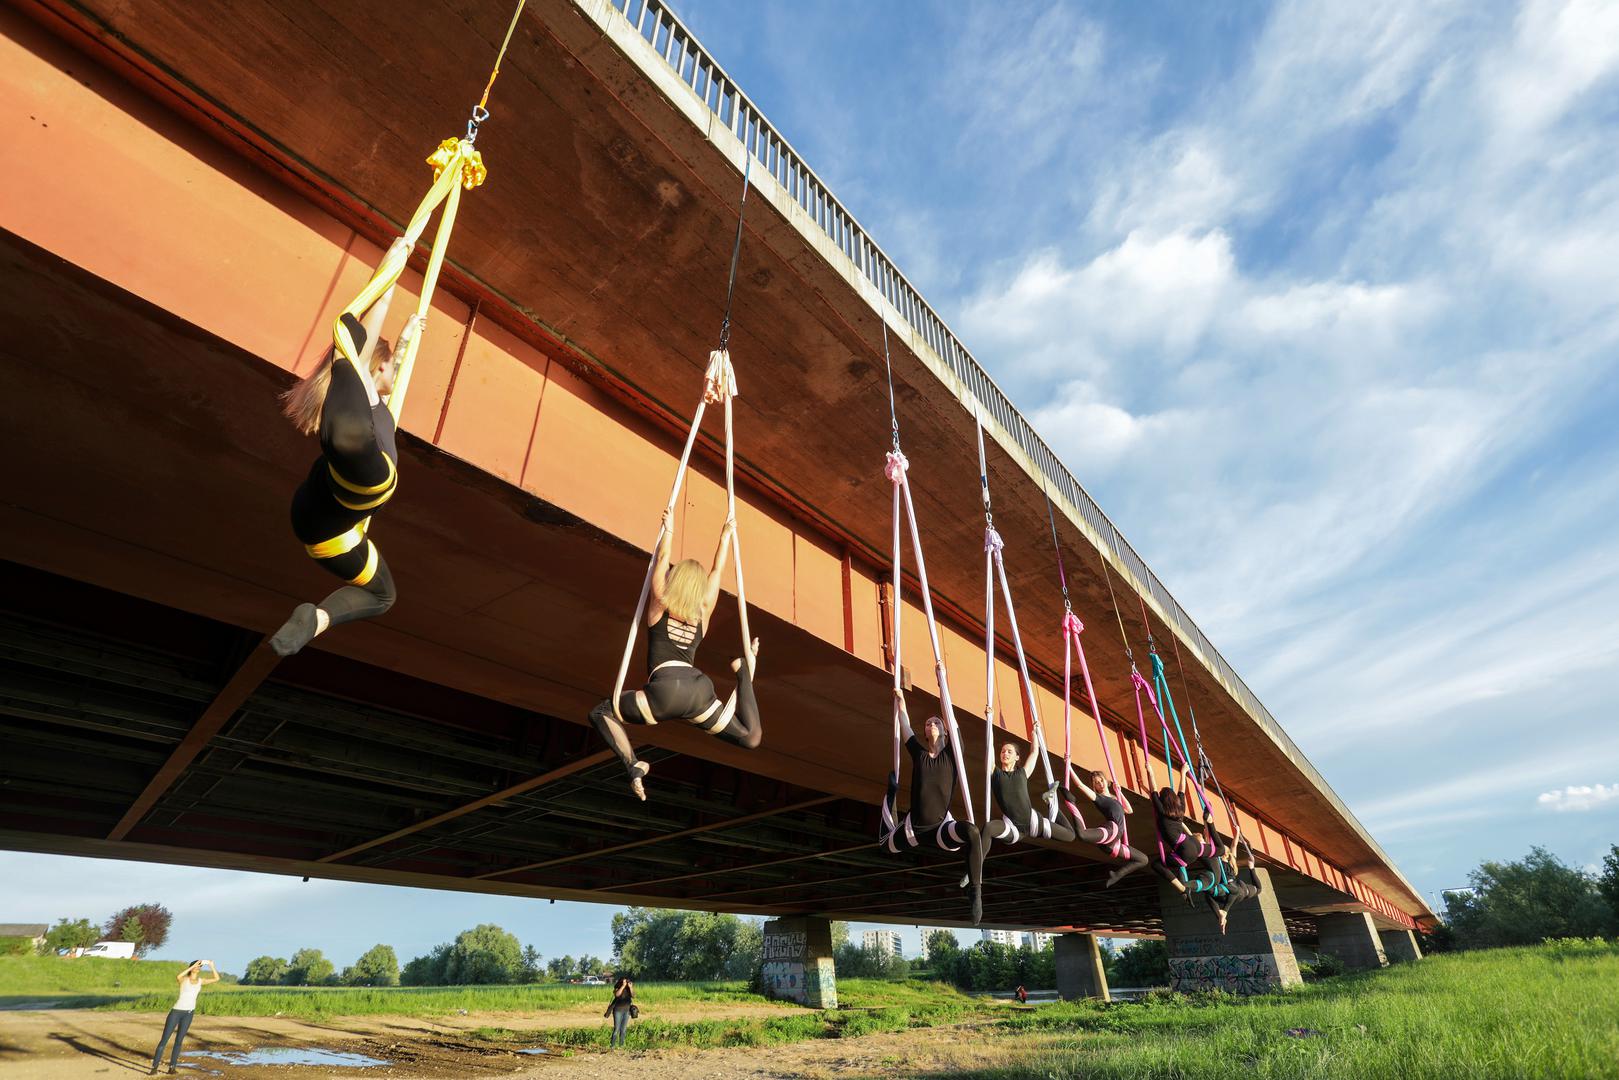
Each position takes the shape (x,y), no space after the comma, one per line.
(796,961)
(1352,938)
(1254,956)
(1400,945)
(1080,973)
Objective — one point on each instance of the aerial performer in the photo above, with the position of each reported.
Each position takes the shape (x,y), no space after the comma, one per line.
(933,790)
(1104,791)
(355,396)
(357,471)
(677,599)
(1193,858)
(684,595)
(938,771)
(1112,837)
(1009,787)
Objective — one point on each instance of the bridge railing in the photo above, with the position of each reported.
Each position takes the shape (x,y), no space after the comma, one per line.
(775,155)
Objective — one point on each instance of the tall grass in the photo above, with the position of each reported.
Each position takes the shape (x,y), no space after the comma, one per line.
(1549,1011)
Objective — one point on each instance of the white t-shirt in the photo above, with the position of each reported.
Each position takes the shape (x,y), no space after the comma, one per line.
(188,995)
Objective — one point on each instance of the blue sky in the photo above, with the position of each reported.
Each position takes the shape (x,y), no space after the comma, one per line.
(1320,304)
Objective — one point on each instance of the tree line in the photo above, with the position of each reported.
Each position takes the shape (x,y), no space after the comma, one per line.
(146,926)
(483,955)
(1528,901)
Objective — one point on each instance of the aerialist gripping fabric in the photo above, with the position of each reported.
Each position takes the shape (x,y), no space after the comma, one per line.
(683,598)
(933,789)
(356,473)
(1181,846)
(1112,836)
(1194,858)
(1010,786)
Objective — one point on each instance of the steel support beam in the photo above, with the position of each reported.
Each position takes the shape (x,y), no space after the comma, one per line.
(693,831)
(562,771)
(248,678)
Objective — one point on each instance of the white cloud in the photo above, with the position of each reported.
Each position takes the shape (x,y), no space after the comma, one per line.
(1315,346)
(1579,797)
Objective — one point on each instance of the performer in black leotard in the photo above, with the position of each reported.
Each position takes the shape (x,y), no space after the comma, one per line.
(1009,785)
(683,598)
(1194,859)
(1229,888)
(356,473)
(1112,836)
(1182,846)
(933,790)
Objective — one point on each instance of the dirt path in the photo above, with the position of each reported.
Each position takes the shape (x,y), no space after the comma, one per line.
(70,1044)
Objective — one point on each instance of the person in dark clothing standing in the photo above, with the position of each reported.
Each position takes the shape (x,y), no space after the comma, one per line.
(622,1008)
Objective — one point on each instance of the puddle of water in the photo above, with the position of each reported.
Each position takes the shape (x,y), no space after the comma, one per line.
(291,1055)
(535,1050)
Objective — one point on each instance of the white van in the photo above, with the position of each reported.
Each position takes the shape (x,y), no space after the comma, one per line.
(116,950)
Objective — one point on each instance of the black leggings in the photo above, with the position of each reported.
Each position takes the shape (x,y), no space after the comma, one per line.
(1106,838)
(682,693)
(177,1024)
(332,508)
(945,835)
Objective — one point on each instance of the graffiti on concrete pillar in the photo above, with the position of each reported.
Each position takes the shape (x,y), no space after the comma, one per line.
(785,979)
(791,970)
(1242,973)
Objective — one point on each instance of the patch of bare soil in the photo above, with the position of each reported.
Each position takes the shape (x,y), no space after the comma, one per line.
(72,1044)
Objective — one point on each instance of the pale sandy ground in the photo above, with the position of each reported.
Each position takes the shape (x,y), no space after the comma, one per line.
(70,1044)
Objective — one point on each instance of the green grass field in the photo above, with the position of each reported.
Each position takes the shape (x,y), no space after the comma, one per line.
(1548,1011)
(149,986)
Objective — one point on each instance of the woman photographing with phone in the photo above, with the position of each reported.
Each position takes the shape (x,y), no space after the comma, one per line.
(622,1008)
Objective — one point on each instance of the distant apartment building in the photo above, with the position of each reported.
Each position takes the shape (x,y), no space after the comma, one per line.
(882,942)
(1018,939)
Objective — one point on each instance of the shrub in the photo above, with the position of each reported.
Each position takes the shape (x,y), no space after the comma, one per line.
(1326,966)
(1573,948)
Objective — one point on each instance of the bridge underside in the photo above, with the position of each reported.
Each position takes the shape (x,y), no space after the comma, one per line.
(171,248)
(337,767)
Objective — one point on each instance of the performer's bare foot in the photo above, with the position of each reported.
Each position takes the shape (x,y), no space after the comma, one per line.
(637,771)
(753,663)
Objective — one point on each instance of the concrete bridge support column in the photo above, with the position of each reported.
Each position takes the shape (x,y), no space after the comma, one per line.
(1400,945)
(1079,968)
(796,961)
(1254,956)
(1352,938)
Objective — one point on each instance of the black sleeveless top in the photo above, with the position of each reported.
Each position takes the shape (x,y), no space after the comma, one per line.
(933,783)
(1012,796)
(670,639)
(1110,808)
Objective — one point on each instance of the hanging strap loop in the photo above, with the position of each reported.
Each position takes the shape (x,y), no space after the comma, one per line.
(995,573)
(719,387)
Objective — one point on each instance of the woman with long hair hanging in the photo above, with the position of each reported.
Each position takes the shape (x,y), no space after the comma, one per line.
(677,599)
(683,598)
(1112,836)
(342,401)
